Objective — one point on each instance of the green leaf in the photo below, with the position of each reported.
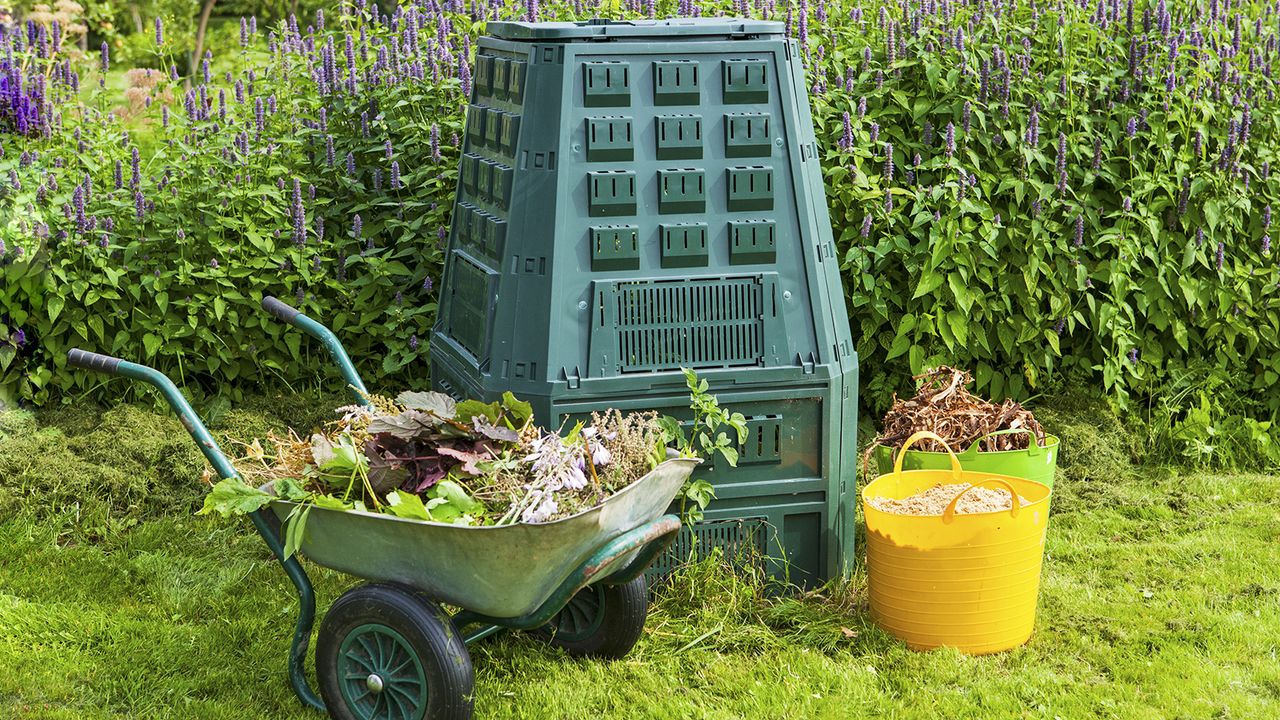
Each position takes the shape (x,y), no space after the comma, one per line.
(407,505)
(961,290)
(929,281)
(151,344)
(232,496)
(457,497)
(1212,213)
(295,528)
(54,307)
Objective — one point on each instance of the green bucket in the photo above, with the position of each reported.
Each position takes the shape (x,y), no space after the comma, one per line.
(1036,463)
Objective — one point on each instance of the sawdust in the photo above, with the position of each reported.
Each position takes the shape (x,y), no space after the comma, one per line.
(935,500)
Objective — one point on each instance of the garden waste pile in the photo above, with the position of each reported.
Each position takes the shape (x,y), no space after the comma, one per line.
(424,456)
(944,406)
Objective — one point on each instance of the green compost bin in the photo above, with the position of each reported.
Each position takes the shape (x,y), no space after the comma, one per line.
(1037,463)
(637,197)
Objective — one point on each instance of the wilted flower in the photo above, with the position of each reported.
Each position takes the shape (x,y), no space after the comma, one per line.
(888,162)
(1079,238)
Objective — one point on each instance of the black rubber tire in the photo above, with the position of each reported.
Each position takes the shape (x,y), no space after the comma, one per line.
(624,609)
(430,636)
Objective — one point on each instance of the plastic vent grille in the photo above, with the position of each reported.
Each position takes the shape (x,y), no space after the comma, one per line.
(666,325)
(469,305)
(740,543)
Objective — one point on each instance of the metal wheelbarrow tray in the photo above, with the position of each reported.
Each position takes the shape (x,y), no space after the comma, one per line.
(387,649)
(505,571)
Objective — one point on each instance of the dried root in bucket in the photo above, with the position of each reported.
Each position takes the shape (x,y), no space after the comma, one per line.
(944,406)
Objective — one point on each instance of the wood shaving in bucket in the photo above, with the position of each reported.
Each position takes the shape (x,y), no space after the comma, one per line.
(935,500)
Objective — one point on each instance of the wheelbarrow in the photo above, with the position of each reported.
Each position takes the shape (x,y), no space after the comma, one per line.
(388,649)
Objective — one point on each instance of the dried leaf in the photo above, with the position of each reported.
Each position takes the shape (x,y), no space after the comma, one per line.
(406,426)
(494,432)
(438,404)
(469,460)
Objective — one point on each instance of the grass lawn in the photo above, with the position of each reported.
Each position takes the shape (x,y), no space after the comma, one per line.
(1160,599)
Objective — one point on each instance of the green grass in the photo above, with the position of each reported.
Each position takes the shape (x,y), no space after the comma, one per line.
(1160,599)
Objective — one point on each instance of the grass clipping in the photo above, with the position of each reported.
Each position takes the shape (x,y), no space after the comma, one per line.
(944,406)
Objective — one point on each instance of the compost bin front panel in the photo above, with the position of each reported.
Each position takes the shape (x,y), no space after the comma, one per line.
(639,197)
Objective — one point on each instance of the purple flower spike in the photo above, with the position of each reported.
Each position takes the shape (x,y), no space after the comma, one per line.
(950,147)
(159,31)
(1079,238)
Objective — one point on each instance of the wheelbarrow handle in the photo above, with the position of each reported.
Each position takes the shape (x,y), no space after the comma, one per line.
(289,314)
(93,361)
(281,310)
(209,448)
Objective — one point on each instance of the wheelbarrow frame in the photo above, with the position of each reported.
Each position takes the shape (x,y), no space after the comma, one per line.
(643,543)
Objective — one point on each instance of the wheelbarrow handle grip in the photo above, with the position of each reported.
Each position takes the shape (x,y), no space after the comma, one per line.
(93,361)
(293,316)
(281,310)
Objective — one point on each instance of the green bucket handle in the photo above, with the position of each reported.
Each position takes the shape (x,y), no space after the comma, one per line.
(956,468)
(1033,447)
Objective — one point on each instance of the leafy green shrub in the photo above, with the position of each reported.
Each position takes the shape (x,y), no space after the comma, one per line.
(311,179)
(1081,188)
(1034,192)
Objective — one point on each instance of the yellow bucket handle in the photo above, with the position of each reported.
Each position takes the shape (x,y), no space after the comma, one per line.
(927,435)
(949,514)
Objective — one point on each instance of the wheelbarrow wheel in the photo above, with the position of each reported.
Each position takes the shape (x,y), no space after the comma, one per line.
(385,653)
(600,621)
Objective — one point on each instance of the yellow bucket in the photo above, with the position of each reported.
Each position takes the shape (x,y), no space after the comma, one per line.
(968,581)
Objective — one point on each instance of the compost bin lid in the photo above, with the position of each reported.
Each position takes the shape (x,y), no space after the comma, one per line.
(605,29)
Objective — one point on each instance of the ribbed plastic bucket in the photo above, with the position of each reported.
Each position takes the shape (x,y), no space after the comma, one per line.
(1034,463)
(968,581)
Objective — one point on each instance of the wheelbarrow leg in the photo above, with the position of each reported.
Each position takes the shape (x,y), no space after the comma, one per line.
(306,609)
